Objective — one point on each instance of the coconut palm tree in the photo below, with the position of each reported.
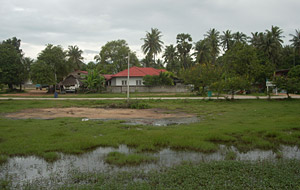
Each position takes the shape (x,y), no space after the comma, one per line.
(152,43)
(202,52)
(296,41)
(226,40)
(240,37)
(171,58)
(213,37)
(74,57)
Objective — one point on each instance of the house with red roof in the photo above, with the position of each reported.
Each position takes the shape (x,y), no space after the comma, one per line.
(136,75)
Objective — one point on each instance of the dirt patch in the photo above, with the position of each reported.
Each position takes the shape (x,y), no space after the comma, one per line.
(97,113)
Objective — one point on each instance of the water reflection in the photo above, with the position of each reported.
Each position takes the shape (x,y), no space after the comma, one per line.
(29,169)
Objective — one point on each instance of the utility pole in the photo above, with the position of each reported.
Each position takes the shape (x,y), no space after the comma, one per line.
(128,79)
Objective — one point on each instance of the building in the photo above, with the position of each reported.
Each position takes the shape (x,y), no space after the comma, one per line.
(73,81)
(136,75)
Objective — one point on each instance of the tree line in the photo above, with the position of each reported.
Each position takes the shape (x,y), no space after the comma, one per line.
(250,60)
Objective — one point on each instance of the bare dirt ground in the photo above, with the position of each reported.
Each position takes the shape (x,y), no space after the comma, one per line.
(97,113)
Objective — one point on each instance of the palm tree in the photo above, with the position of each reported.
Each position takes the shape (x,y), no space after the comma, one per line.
(213,37)
(74,57)
(296,41)
(272,43)
(240,37)
(184,47)
(257,39)
(152,43)
(171,58)
(202,51)
(226,40)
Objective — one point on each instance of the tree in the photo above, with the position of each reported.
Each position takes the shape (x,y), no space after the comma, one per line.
(226,40)
(243,60)
(296,41)
(42,73)
(152,45)
(74,57)
(164,78)
(235,83)
(240,37)
(171,59)
(21,74)
(213,37)
(94,81)
(10,65)
(202,52)
(51,66)
(202,76)
(113,57)
(184,47)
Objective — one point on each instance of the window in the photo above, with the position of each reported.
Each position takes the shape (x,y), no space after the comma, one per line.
(138,82)
(124,82)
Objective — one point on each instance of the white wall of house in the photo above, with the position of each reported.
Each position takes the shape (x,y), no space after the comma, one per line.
(133,81)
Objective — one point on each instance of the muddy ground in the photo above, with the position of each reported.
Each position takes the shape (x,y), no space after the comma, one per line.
(97,113)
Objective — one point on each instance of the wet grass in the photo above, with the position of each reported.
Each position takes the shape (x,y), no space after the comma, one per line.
(3,159)
(283,174)
(121,159)
(246,124)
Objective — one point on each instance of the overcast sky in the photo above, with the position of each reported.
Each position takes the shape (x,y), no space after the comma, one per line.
(89,24)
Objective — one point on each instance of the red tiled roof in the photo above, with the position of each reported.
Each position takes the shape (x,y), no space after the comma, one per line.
(139,72)
(107,77)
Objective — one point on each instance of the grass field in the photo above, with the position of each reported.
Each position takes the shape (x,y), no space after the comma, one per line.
(246,124)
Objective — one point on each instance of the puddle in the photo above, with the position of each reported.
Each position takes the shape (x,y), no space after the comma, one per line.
(29,169)
(155,122)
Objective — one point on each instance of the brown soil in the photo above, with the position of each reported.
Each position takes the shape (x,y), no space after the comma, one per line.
(32,92)
(97,113)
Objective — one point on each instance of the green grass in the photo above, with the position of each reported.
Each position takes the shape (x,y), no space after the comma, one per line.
(236,175)
(3,159)
(121,159)
(246,124)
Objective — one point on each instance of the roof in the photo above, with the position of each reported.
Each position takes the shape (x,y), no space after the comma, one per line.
(71,80)
(107,77)
(139,72)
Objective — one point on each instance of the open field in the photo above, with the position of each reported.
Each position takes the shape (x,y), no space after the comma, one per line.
(245,124)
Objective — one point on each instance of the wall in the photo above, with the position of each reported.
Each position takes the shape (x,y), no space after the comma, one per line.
(173,89)
(132,81)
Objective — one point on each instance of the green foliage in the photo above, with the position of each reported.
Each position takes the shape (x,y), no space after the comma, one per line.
(138,105)
(53,66)
(113,57)
(121,159)
(231,155)
(171,59)
(11,65)
(152,46)
(94,81)
(74,57)
(202,76)
(294,72)
(42,73)
(235,83)
(164,78)
(184,47)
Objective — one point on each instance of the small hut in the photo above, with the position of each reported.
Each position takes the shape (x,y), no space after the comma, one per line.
(71,84)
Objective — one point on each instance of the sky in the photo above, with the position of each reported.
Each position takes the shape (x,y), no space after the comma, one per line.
(90,24)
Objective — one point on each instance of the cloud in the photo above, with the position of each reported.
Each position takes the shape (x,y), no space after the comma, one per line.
(90,24)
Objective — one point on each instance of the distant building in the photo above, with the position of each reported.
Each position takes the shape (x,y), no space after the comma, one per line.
(136,75)
(73,81)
